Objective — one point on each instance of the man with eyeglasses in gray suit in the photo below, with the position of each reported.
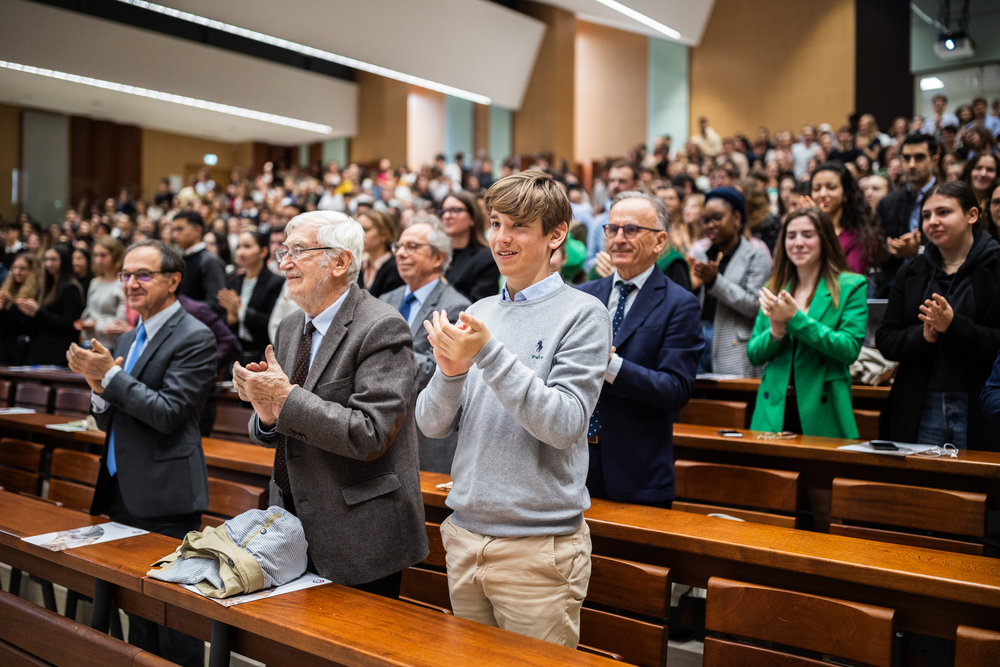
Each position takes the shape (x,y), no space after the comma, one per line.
(335,397)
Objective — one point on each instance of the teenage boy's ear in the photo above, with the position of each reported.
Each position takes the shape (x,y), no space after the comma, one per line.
(558,235)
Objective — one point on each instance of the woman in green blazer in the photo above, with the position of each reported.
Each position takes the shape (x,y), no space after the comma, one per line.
(809,330)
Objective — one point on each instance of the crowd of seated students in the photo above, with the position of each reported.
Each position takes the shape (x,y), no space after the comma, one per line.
(728,203)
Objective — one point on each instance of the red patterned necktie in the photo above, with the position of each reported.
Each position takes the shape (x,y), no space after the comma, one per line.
(299,373)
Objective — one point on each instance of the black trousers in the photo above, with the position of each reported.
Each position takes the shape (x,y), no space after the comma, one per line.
(387,586)
(169,644)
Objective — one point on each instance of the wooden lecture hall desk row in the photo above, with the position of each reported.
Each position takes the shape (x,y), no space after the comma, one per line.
(745,389)
(816,458)
(303,628)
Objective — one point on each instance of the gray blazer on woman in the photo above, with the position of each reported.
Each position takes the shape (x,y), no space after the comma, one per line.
(736,291)
(351,443)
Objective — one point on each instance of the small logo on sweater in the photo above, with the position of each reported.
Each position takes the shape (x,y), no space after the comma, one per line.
(538,351)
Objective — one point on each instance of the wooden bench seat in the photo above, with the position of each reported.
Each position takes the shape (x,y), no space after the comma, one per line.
(738,491)
(721,414)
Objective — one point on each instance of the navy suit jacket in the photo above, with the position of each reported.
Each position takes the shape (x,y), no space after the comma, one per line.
(660,342)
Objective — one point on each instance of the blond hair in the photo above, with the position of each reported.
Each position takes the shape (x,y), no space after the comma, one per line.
(31,286)
(529,196)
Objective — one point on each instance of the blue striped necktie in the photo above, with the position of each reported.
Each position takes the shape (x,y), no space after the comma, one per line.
(624,289)
(140,343)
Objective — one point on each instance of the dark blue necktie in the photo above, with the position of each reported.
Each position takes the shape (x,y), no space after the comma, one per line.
(408,302)
(624,289)
(140,342)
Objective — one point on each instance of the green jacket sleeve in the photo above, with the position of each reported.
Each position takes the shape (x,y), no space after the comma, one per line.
(763,347)
(843,343)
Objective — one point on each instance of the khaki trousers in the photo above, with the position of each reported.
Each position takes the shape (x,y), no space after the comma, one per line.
(533,586)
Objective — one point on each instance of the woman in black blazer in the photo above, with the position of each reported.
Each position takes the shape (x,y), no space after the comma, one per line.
(378,270)
(250,295)
(60,305)
(473,271)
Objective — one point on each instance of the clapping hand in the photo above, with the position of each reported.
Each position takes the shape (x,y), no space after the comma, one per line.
(456,345)
(604,266)
(28,306)
(264,385)
(92,364)
(230,300)
(936,313)
(705,272)
(907,245)
(779,309)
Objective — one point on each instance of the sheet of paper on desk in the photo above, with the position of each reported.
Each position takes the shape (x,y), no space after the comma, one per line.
(717,376)
(16,411)
(307,580)
(69,427)
(81,537)
(904,450)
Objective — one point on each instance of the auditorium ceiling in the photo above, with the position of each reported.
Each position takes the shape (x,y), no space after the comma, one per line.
(70,43)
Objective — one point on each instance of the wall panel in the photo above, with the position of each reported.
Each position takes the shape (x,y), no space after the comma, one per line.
(10,159)
(381,120)
(165,154)
(45,165)
(425,135)
(544,123)
(610,92)
(777,63)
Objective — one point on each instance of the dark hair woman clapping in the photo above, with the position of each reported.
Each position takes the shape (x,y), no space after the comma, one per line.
(942,325)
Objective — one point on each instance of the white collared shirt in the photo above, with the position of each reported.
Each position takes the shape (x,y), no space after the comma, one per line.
(153,326)
(197,247)
(322,324)
(422,293)
(541,288)
(616,362)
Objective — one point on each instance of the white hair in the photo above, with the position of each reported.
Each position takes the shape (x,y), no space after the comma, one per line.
(439,241)
(337,231)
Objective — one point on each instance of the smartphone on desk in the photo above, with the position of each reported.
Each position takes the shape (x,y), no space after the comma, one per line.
(729,433)
(883,446)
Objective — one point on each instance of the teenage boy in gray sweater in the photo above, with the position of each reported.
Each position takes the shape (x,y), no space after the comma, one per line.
(519,376)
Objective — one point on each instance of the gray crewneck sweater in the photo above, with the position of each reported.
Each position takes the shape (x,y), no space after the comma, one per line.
(522,413)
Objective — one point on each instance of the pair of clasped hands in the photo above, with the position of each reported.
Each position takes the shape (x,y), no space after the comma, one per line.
(456,344)
(779,308)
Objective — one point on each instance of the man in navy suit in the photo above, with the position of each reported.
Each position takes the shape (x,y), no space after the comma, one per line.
(657,344)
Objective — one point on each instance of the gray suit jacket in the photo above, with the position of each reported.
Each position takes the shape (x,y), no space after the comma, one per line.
(155,411)
(351,443)
(736,291)
(436,455)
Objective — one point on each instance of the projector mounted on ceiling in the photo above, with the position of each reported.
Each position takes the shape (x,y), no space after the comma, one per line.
(954,47)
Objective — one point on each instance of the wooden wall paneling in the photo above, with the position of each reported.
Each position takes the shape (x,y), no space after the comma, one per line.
(611,90)
(10,157)
(777,63)
(381,119)
(545,122)
(481,129)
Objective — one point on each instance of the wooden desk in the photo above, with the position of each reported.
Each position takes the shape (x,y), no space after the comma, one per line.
(64,377)
(109,571)
(819,461)
(353,628)
(234,461)
(865,396)
(932,591)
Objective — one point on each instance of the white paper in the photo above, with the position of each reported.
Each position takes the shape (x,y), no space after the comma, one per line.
(717,376)
(16,411)
(81,537)
(307,580)
(69,427)
(904,449)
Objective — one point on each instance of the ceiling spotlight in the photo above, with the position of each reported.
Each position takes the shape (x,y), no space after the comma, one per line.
(171,97)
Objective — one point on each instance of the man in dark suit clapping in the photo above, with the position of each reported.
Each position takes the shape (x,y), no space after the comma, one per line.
(341,420)
(423,255)
(657,343)
(148,398)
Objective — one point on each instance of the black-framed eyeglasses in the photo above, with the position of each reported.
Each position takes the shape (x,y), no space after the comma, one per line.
(629,230)
(455,210)
(141,276)
(409,247)
(296,253)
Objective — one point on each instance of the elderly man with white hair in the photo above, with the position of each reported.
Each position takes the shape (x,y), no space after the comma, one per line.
(335,397)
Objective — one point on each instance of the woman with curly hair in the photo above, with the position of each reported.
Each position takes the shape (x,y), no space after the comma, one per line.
(981,173)
(761,223)
(834,190)
(23,282)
